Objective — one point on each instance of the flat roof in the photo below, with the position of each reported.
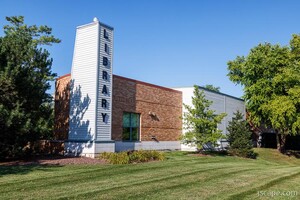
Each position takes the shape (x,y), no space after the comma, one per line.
(63,76)
(93,23)
(220,93)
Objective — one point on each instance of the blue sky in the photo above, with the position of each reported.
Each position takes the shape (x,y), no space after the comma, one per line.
(170,43)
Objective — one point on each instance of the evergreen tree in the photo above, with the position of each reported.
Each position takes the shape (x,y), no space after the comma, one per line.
(25,72)
(201,122)
(239,136)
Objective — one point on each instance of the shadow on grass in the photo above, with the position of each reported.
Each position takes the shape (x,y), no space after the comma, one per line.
(29,164)
(25,169)
(210,153)
(294,153)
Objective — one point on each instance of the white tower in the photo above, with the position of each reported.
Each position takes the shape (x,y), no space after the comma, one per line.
(91,91)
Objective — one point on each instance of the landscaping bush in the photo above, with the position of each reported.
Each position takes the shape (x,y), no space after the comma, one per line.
(132,156)
(138,156)
(156,155)
(115,158)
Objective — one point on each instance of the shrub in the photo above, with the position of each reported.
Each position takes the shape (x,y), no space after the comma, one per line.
(138,156)
(145,156)
(156,155)
(106,155)
(132,156)
(116,158)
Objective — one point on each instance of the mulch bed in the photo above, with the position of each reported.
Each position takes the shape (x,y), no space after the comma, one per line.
(54,160)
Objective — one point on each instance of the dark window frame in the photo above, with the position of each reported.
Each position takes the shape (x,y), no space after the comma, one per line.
(132,127)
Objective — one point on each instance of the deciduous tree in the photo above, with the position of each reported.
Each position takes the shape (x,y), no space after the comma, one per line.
(201,122)
(270,75)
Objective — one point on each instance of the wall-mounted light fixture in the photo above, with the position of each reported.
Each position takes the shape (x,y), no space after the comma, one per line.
(152,114)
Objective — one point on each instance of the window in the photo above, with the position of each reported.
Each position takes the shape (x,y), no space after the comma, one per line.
(131,126)
(105,34)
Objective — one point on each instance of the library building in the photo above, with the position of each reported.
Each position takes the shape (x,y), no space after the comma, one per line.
(97,111)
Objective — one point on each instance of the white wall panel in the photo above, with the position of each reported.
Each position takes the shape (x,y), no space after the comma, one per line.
(84,77)
(222,103)
(86,120)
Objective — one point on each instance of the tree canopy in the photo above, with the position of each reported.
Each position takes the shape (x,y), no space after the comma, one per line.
(270,75)
(212,88)
(201,122)
(25,72)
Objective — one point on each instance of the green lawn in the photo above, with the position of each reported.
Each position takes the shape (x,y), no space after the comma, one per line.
(181,176)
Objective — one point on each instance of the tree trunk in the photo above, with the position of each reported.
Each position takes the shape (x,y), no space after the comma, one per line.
(280,138)
(259,140)
(283,139)
(278,141)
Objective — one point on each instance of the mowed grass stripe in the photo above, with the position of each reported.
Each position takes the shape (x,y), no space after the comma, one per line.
(165,188)
(214,178)
(181,182)
(11,175)
(69,171)
(290,187)
(82,182)
(106,184)
(216,189)
(61,185)
(264,186)
(182,176)
(91,175)
(153,183)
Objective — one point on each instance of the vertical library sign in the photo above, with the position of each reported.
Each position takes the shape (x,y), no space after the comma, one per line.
(104,83)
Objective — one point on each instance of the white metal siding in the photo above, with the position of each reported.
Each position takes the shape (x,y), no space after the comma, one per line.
(147,145)
(221,104)
(232,106)
(84,75)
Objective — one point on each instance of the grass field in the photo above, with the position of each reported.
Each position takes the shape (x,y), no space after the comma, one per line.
(181,176)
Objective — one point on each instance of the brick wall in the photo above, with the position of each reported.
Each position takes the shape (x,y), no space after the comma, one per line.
(61,108)
(129,96)
(139,97)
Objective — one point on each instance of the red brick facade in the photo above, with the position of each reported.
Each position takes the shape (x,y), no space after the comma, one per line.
(160,109)
(61,108)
